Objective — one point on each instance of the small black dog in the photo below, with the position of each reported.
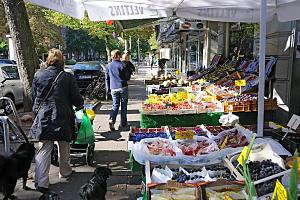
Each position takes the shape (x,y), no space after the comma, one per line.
(96,187)
(14,167)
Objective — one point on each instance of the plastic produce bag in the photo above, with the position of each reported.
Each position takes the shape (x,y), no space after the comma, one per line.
(201,145)
(229,120)
(85,134)
(155,150)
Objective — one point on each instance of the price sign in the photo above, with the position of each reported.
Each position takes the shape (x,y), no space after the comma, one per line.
(184,135)
(294,122)
(243,155)
(279,191)
(240,83)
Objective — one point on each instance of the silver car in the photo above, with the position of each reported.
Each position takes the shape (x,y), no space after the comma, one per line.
(10,83)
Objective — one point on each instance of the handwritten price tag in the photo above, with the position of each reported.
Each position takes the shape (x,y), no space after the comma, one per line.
(240,83)
(279,191)
(243,155)
(184,135)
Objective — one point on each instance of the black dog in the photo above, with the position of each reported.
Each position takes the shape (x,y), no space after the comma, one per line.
(14,167)
(96,187)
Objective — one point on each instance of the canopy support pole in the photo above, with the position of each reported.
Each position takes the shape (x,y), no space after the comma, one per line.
(262,54)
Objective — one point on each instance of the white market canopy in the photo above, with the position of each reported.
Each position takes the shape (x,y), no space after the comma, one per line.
(212,10)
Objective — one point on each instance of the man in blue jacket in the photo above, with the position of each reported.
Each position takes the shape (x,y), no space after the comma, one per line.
(116,84)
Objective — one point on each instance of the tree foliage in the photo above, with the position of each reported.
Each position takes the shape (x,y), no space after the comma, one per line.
(3,47)
(78,41)
(242,39)
(143,35)
(3,25)
(45,33)
(99,30)
(153,42)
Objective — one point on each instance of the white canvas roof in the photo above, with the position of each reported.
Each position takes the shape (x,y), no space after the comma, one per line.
(214,10)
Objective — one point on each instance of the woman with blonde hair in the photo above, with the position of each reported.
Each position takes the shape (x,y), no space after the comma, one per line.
(54,92)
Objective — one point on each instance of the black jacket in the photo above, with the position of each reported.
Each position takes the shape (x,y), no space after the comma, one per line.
(55,119)
(129,64)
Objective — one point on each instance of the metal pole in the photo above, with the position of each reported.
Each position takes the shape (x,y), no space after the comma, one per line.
(4,124)
(126,45)
(227,40)
(262,52)
(130,43)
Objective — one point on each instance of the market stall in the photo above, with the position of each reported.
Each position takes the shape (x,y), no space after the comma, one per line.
(203,97)
(192,162)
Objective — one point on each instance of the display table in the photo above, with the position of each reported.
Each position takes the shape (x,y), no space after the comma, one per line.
(150,121)
(211,119)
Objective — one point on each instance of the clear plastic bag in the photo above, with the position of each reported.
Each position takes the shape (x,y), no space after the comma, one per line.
(201,145)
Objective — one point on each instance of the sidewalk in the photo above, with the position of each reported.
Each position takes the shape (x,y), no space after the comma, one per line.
(110,151)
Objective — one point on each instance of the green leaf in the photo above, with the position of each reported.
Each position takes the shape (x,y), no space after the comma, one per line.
(246,172)
(293,186)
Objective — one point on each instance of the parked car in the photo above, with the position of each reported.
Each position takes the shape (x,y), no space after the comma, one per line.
(86,72)
(7,61)
(10,83)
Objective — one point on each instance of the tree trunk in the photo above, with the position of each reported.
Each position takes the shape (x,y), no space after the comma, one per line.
(20,32)
(107,47)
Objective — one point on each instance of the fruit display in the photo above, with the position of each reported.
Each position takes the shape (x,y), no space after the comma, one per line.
(220,72)
(197,130)
(265,187)
(160,147)
(218,129)
(197,147)
(137,134)
(232,138)
(225,191)
(192,175)
(221,92)
(260,170)
(163,192)
(263,169)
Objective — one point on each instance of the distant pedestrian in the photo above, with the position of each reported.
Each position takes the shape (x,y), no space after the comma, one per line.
(116,84)
(152,61)
(54,92)
(128,63)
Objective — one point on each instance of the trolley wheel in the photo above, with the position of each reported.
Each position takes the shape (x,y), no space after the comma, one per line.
(54,156)
(90,154)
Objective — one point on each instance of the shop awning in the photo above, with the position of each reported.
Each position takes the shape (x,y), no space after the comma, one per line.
(214,10)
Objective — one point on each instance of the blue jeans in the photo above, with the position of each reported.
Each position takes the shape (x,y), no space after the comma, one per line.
(120,96)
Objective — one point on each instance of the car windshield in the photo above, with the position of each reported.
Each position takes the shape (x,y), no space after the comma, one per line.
(10,72)
(6,61)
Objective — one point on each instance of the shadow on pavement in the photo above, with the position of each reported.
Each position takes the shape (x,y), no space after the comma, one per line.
(107,112)
(109,135)
(123,184)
